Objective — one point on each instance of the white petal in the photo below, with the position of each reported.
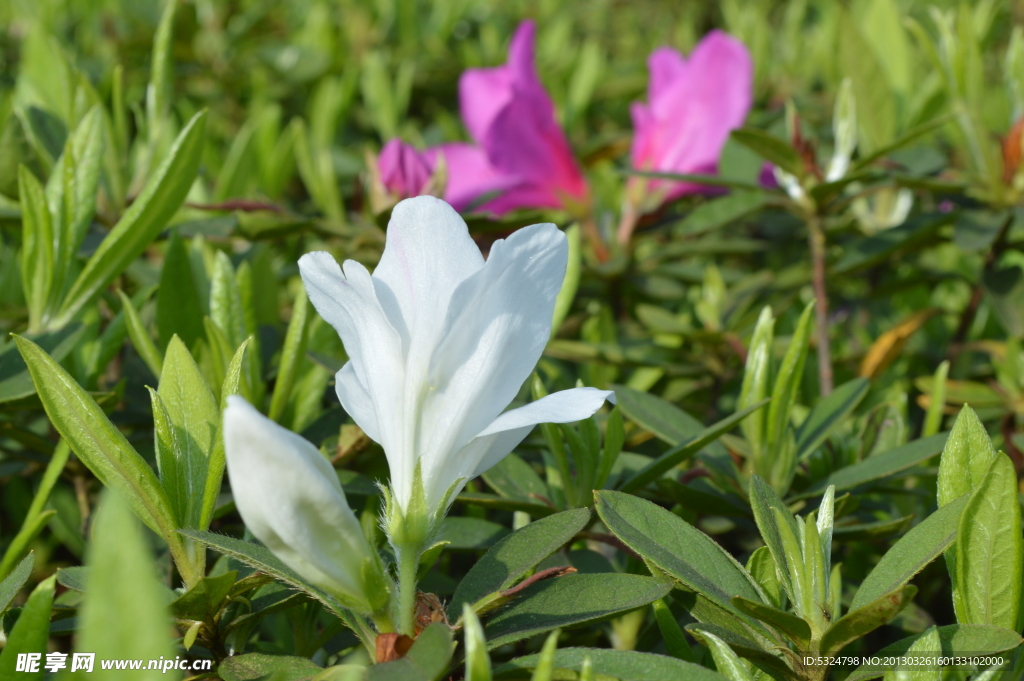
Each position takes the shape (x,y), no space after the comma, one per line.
(290,498)
(355,398)
(496,328)
(348,301)
(427,254)
(504,433)
(564,406)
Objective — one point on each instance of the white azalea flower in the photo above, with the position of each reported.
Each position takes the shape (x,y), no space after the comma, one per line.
(440,342)
(289,497)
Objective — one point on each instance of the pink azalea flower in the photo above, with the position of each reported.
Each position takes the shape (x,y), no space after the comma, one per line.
(520,150)
(693,105)
(404,170)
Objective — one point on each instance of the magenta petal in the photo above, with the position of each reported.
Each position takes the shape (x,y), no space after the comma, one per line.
(694,105)
(403,169)
(483,93)
(470,174)
(667,67)
(523,151)
(526,142)
(766,178)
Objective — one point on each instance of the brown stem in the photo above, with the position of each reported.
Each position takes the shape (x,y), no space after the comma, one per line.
(627,223)
(816,235)
(593,235)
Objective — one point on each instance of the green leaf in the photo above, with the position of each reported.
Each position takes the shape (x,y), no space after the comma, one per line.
(463,532)
(771,148)
(671,633)
(178,308)
(915,233)
(828,414)
(495,502)
(880,466)
(761,567)
(71,192)
(876,106)
(667,421)
(155,205)
(97,442)
(757,375)
(258,557)
(625,665)
(478,662)
(253,666)
(195,421)
(777,467)
(989,551)
(571,280)
(37,256)
(140,336)
(509,559)
(203,600)
(73,578)
(30,633)
(954,639)
(865,619)
(744,647)
(768,507)
(727,662)
(215,465)
(676,455)
(15,382)
(14,582)
(427,660)
(936,401)
(792,626)
(966,457)
(121,579)
(159,90)
(673,545)
(720,211)
(923,648)
(36,518)
(515,479)
(918,547)
(568,601)
(1004,288)
(292,355)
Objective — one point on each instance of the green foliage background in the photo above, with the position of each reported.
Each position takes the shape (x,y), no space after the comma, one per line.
(163,166)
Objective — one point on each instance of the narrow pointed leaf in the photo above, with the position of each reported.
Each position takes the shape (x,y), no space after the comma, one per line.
(792,626)
(96,441)
(880,466)
(30,633)
(510,558)
(155,205)
(14,582)
(989,551)
(121,578)
(673,545)
(828,414)
(918,547)
(568,601)
(685,450)
(865,619)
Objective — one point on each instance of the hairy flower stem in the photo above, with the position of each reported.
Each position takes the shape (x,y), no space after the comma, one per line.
(816,235)
(408,570)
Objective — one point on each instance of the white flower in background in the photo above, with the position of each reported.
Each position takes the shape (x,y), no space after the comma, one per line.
(440,342)
(289,497)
